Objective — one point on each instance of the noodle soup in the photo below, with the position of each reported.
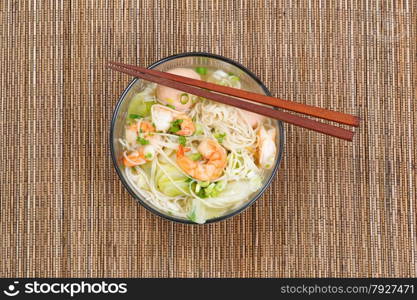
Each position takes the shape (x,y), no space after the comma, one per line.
(192,158)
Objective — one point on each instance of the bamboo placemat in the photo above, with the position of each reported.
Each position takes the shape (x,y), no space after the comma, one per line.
(335,208)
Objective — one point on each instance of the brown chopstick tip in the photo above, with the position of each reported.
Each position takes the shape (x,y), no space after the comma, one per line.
(111,64)
(357,121)
(114,63)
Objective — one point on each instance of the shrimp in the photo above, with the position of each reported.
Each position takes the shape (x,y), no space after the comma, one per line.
(180,100)
(131,134)
(135,158)
(141,154)
(146,129)
(187,126)
(251,118)
(163,117)
(266,148)
(212,168)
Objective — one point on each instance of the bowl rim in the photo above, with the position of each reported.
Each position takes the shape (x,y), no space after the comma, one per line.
(143,202)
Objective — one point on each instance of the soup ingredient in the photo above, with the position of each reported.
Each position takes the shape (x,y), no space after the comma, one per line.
(142,141)
(135,116)
(252,118)
(201,70)
(131,134)
(236,191)
(198,212)
(135,158)
(141,103)
(149,152)
(180,100)
(171,181)
(168,119)
(220,137)
(215,157)
(142,136)
(146,127)
(226,79)
(187,126)
(182,140)
(266,147)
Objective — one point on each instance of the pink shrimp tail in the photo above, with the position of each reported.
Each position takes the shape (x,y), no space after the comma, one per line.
(180,151)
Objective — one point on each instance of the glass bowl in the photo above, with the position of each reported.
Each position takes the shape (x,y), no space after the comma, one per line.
(190,59)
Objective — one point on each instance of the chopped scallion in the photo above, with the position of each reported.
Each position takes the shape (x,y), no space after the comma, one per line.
(197,188)
(148,156)
(201,70)
(182,140)
(175,126)
(142,141)
(184,98)
(192,216)
(198,129)
(221,185)
(195,156)
(135,116)
(220,137)
(204,183)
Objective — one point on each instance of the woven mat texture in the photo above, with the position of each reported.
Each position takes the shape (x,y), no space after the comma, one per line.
(334,209)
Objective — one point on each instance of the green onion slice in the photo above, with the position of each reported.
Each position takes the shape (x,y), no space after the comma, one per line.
(184,98)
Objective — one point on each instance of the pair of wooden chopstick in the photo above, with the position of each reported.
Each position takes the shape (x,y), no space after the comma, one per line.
(206,89)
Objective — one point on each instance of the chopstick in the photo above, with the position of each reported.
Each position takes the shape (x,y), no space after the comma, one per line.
(309,110)
(262,110)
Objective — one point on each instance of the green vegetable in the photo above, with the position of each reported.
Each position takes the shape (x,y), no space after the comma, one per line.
(171,106)
(147,168)
(198,129)
(220,137)
(192,216)
(175,126)
(141,178)
(163,175)
(221,185)
(182,140)
(189,179)
(197,188)
(201,193)
(142,141)
(234,78)
(201,70)
(139,107)
(195,156)
(204,183)
(213,193)
(148,155)
(184,98)
(194,99)
(210,188)
(197,212)
(135,116)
